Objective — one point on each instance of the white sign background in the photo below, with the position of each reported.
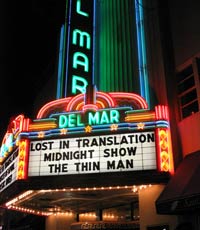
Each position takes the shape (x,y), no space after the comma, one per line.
(81,155)
(8,171)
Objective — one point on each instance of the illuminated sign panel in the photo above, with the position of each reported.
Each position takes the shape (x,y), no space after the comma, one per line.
(80,46)
(100,117)
(8,171)
(116,134)
(93,154)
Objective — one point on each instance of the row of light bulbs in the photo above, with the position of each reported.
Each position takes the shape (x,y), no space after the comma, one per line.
(12,204)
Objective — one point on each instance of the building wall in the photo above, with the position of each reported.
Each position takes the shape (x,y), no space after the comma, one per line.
(190,125)
(148,215)
(59,222)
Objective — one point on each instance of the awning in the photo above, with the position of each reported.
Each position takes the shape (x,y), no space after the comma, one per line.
(182,193)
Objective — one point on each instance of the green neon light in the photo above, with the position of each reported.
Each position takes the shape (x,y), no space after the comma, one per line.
(114,116)
(77,61)
(60,76)
(82,35)
(70,121)
(78,9)
(79,84)
(93,118)
(105,117)
(115,39)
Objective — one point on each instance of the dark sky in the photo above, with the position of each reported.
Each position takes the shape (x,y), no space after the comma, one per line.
(28,51)
(185,18)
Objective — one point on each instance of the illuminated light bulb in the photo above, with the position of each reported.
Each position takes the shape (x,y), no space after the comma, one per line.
(113,127)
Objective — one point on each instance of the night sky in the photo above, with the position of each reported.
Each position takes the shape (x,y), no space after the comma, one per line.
(28,50)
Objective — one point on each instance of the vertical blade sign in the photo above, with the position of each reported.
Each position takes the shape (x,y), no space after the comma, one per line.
(79,72)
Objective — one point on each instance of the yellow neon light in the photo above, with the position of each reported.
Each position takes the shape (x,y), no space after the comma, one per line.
(88,129)
(41,134)
(42,126)
(113,127)
(63,131)
(140,125)
(22,162)
(135,117)
(165,149)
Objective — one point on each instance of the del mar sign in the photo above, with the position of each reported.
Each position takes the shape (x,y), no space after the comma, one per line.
(100,117)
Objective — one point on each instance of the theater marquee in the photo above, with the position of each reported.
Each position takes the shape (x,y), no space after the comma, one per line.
(117,133)
(95,154)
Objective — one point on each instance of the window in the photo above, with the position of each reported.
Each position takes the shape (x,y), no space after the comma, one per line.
(188,88)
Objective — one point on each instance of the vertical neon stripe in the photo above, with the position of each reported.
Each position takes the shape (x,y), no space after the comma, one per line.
(94,40)
(142,58)
(60,60)
(22,166)
(164,150)
(67,48)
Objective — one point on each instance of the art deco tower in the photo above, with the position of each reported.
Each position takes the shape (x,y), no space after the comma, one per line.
(118,47)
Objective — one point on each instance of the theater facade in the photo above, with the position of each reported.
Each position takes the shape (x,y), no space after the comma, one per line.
(92,159)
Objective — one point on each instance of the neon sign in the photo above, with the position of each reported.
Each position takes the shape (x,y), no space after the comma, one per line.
(111,133)
(93,118)
(79,70)
(10,138)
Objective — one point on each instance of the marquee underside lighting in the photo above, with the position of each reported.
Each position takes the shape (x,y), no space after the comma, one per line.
(30,200)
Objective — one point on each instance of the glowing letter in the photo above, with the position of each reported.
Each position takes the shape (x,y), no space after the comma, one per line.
(63,121)
(114,116)
(81,34)
(72,120)
(76,86)
(78,9)
(77,62)
(104,118)
(93,118)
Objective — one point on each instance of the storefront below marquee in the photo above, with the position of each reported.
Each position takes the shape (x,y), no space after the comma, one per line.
(126,205)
